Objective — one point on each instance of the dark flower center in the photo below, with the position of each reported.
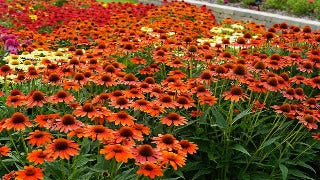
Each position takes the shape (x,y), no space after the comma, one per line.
(30,172)
(167,139)
(236,91)
(18,118)
(121,101)
(173,116)
(145,150)
(88,107)
(126,132)
(37,96)
(68,119)
(61,145)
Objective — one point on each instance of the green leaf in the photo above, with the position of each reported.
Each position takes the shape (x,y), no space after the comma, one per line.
(126,175)
(299,174)
(220,120)
(270,141)
(241,115)
(284,171)
(179,173)
(303,164)
(200,173)
(240,148)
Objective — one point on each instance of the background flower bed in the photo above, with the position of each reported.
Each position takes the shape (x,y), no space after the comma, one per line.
(309,9)
(123,91)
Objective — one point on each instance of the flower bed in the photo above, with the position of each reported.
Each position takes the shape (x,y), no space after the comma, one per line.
(92,90)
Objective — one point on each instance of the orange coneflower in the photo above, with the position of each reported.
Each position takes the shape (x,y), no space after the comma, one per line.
(284,108)
(5,70)
(45,119)
(29,173)
(141,104)
(127,135)
(62,148)
(133,93)
(308,121)
(36,98)
(138,60)
(145,153)
(98,132)
(173,159)
(166,101)
(119,152)
(201,90)
(18,121)
(61,96)
(9,176)
(106,79)
(71,85)
(174,119)
(166,142)
(151,170)
(315,82)
(87,109)
(4,150)
(121,103)
(155,109)
(38,138)
(316,136)
(66,123)
(122,118)
(129,79)
(101,99)
(15,101)
(141,128)
(311,102)
(235,94)
(210,100)
(188,147)
(38,156)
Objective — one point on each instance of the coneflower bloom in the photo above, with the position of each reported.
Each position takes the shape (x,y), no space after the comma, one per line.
(141,128)
(145,153)
(272,84)
(62,148)
(105,79)
(18,121)
(151,170)
(133,93)
(4,150)
(122,118)
(66,123)
(166,142)
(235,94)
(15,101)
(87,109)
(29,173)
(166,101)
(98,132)
(315,82)
(119,152)
(45,119)
(36,98)
(311,102)
(127,135)
(129,79)
(184,102)
(210,100)
(299,94)
(155,109)
(316,136)
(188,147)
(101,98)
(141,104)
(38,156)
(5,70)
(289,93)
(173,119)
(61,96)
(121,103)
(308,121)
(173,159)
(284,108)
(38,138)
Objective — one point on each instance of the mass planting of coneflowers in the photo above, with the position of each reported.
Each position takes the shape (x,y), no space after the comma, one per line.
(92,90)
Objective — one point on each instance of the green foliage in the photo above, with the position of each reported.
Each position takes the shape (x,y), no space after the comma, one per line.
(299,7)
(60,3)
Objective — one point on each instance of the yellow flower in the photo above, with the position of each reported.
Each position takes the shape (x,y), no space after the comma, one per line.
(33,16)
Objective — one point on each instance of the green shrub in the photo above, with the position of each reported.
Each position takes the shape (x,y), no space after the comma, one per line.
(275,4)
(299,7)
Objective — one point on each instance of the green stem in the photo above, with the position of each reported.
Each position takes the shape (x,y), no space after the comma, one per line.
(62,169)
(23,142)
(5,167)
